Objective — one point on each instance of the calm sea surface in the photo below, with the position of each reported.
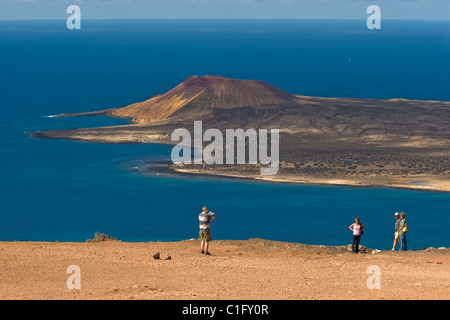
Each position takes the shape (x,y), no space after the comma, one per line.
(63,190)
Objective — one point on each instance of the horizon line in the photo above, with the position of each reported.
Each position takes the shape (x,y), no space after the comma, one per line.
(287,19)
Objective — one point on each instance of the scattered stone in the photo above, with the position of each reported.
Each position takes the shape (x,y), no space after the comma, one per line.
(168,258)
(156,255)
(361,248)
(99,237)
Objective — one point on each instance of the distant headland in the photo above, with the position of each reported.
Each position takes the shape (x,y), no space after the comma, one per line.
(344,141)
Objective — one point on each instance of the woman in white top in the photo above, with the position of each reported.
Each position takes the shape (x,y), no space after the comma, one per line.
(357,229)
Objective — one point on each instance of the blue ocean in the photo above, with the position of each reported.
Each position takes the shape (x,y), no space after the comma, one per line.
(63,190)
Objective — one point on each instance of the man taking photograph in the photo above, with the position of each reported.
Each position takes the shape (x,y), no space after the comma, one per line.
(205,218)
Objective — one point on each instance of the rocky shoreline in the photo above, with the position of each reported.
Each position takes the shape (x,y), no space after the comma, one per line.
(420,183)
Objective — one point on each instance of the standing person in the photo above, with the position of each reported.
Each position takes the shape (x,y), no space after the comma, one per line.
(357,229)
(205,233)
(402,231)
(396,227)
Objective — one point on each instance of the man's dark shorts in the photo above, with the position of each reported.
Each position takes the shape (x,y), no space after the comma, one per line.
(205,236)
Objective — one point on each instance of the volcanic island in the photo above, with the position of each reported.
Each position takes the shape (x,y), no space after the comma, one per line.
(342,141)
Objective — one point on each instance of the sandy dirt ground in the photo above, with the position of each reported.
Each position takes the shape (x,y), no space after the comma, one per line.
(252,269)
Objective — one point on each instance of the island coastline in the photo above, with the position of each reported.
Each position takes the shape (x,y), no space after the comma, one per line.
(426,184)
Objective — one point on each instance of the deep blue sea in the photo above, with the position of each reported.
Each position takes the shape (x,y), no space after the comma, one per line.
(64,190)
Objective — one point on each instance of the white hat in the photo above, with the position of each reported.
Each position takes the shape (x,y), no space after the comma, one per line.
(396,214)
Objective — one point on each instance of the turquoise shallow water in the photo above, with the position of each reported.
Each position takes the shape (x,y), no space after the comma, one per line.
(64,190)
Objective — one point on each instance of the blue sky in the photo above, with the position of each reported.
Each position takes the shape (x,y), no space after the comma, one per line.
(225,9)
